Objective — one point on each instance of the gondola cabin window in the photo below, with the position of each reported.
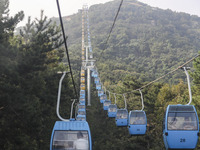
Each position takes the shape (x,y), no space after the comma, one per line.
(107,103)
(137,118)
(70,140)
(182,121)
(122,114)
(112,108)
(81,106)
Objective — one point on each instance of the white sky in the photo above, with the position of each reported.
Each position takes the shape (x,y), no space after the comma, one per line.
(189,6)
(33,7)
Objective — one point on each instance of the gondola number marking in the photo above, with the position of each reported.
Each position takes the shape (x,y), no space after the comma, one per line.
(182,140)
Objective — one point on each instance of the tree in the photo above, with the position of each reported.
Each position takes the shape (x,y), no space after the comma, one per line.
(9,88)
(29,83)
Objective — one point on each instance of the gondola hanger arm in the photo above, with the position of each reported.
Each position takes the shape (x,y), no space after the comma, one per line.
(58,98)
(142,100)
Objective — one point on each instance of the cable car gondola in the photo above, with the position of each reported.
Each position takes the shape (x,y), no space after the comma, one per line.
(82,93)
(81,117)
(106,104)
(103,98)
(90,49)
(137,122)
(95,74)
(83,57)
(83,80)
(82,96)
(96,80)
(81,106)
(121,118)
(98,86)
(100,92)
(82,73)
(82,100)
(66,135)
(112,110)
(69,134)
(181,125)
(83,52)
(81,112)
(82,86)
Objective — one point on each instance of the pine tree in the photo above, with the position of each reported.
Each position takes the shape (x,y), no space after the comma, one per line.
(9,88)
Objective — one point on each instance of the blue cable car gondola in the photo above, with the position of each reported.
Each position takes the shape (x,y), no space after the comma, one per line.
(92,73)
(181,124)
(81,112)
(69,134)
(100,92)
(90,49)
(121,118)
(96,80)
(82,100)
(82,93)
(82,96)
(95,74)
(180,127)
(106,104)
(112,110)
(98,86)
(81,106)
(81,117)
(103,98)
(137,122)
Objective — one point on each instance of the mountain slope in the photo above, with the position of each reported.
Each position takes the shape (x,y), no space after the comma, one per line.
(146,42)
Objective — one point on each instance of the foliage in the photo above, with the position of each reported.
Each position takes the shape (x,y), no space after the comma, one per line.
(29,82)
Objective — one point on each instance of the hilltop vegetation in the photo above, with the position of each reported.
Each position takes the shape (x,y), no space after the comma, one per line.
(146,42)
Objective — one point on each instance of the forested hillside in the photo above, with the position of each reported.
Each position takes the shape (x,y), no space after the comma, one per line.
(145,43)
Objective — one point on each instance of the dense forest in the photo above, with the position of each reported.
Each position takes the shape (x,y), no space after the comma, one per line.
(146,43)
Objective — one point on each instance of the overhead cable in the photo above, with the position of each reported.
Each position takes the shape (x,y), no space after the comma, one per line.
(65,43)
(105,46)
(148,84)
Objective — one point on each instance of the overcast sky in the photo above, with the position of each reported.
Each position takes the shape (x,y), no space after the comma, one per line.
(33,7)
